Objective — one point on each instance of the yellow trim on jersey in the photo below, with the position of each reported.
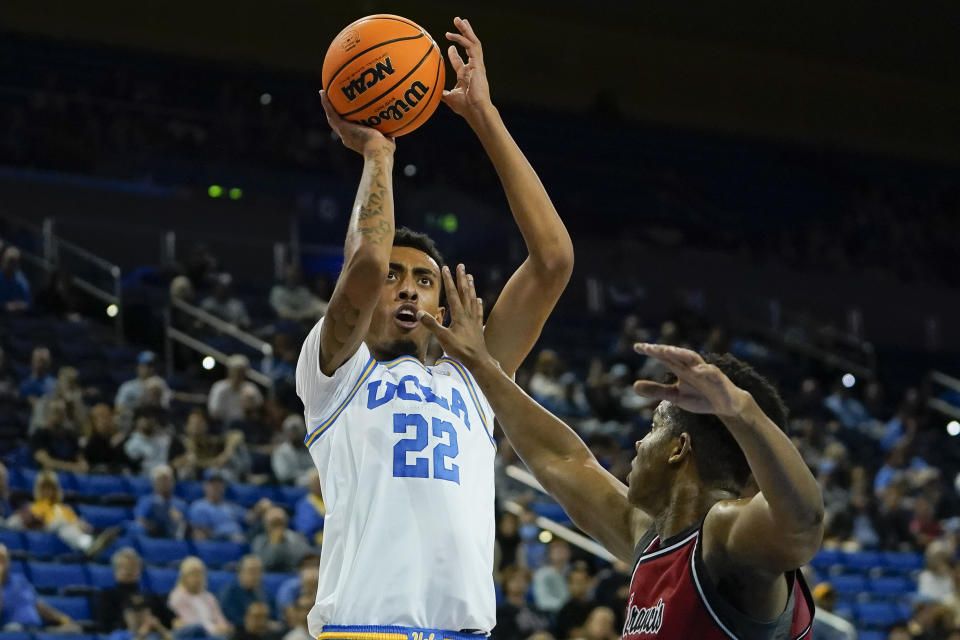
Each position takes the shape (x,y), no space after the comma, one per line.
(310,439)
(473,394)
(368,635)
(401,359)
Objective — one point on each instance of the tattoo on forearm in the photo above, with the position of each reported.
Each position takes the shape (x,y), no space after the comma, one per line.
(342,320)
(373,220)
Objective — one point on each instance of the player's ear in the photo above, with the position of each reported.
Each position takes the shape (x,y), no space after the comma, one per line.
(441,314)
(680,448)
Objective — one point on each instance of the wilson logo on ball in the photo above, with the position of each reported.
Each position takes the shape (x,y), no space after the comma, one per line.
(366,79)
(396,111)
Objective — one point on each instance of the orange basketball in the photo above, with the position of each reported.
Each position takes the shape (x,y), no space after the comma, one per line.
(385,72)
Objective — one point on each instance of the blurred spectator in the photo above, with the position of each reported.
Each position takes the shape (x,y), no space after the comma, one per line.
(6,509)
(258,433)
(304,585)
(8,382)
(508,539)
(226,400)
(846,407)
(127,571)
(892,519)
(291,461)
(256,624)
(295,616)
(201,265)
(599,625)
(40,382)
(573,614)
(14,287)
(613,588)
(56,445)
(161,514)
(69,391)
(131,392)
(212,517)
(936,580)
(559,392)
(826,624)
(204,450)
(48,512)
(192,604)
(150,443)
(280,549)
(19,607)
(550,581)
(236,597)
(181,289)
(225,306)
(139,622)
(292,300)
(59,296)
(104,442)
(924,526)
(309,513)
(515,618)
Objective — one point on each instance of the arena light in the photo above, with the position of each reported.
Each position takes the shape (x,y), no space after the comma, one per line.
(410,170)
(112,310)
(209,363)
(953,428)
(848,380)
(265,99)
(545,536)
(449,223)
(236,193)
(215,191)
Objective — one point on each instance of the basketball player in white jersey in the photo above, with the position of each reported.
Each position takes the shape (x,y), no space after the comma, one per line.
(405,451)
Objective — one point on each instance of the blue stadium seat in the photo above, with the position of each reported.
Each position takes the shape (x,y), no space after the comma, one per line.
(863,560)
(290,496)
(62,636)
(140,486)
(162,552)
(903,561)
(866,634)
(15,635)
(892,586)
(55,575)
(272,582)
(189,491)
(904,610)
(77,607)
(107,553)
(849,585)
(218,553)
(90,486)
(27,478)
(103,517)
(45,545)
(217,580)
(13,540)
(877,614)
(160,580)
(101,576)
(248,495)
(550,509)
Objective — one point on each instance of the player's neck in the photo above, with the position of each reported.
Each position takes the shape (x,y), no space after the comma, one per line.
(688,504)
(400,350)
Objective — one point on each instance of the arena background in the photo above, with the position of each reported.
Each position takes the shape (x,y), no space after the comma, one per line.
(780,181)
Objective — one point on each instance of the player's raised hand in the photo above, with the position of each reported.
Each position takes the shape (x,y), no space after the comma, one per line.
(700,387)
(463,340)
(356,137)
(471,93)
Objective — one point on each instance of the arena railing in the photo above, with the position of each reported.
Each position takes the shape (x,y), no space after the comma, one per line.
(173,334)
(938,404)
(54,248)
(561,531)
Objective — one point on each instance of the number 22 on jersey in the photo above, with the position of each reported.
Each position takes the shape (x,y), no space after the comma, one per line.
(417,436)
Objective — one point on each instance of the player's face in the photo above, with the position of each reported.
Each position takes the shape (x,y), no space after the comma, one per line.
(648,468)
(413,284)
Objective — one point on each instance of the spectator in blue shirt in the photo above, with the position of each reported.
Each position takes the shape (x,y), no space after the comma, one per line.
(304,584)
(235,598)
(309,513)
(40,382)
(212,517)
(14,288)
(19,607)
(161,514)
(131,392)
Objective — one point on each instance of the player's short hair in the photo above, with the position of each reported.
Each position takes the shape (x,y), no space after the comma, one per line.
(406,237)
(719,459)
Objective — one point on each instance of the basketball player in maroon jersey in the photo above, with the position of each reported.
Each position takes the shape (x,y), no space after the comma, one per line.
(720,512)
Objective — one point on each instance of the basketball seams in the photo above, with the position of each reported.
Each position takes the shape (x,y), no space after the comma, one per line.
(391,89)
(376,46)
(433,90)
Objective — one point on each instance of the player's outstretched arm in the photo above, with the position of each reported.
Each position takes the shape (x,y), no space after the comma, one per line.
(367,247)
(778,529)
(531,293)
(561,462)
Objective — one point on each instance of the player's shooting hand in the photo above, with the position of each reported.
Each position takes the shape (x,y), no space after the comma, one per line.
(463,340)
(356,137)
(700,387)
(472,93)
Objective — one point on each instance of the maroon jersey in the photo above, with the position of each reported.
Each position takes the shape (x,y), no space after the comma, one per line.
(672,597)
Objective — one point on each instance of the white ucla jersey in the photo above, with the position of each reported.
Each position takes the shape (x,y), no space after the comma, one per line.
(405,454)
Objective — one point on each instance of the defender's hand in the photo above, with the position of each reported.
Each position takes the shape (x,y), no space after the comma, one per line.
(700,387)
(463,341)
(472,93)
(355,136)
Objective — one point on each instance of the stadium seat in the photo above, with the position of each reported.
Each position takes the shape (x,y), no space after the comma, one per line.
(103,517)
(96,486)
(891,586)
(290,496)
(15,635)
(877,614)
(219,553)
(217,580)
(903,561)
(849,585)
(140,486)
(162,552)
(160,580)
(247,495)
(101,576)
(62,636)
(863,560)
(77,607)
(272,582)
(189,491)
(107,553)
(41,544)
(13,540)
(56,576)
(866,634)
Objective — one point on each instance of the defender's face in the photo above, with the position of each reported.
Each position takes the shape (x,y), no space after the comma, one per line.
(413,284)
(649,464)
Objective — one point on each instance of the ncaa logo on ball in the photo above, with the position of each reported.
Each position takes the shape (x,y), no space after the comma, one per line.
(349,40)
